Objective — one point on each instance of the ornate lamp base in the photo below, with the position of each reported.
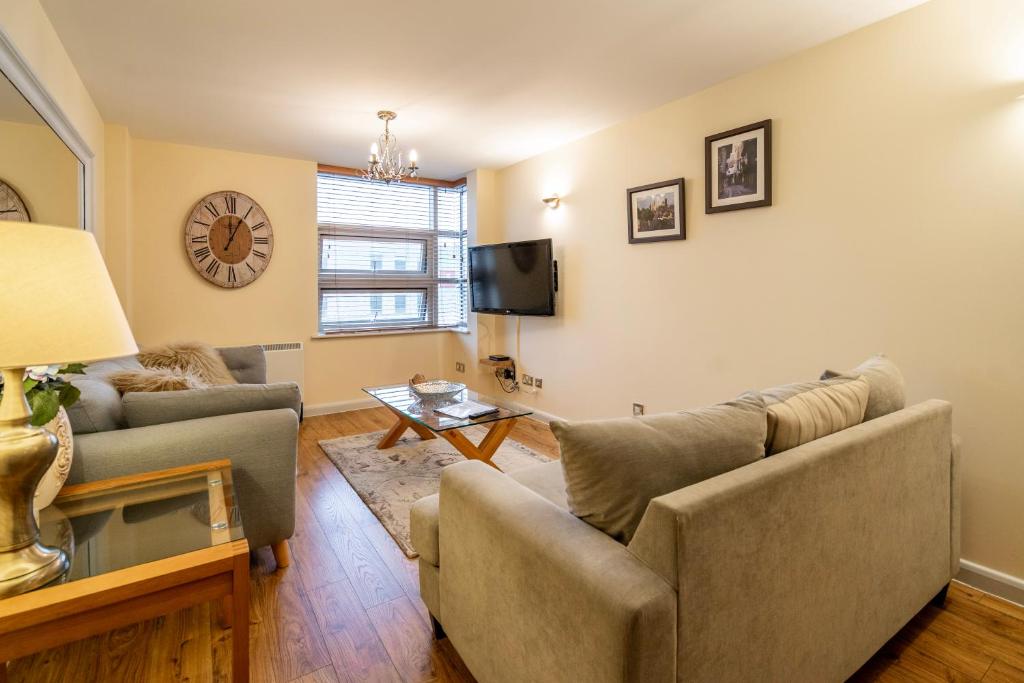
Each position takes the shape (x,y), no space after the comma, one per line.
(25,454)
(30,568)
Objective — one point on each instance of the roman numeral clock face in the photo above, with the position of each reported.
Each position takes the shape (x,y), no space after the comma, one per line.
(229,239)
(12,208)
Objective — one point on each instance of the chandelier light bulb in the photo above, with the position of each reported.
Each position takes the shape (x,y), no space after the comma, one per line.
(385,160)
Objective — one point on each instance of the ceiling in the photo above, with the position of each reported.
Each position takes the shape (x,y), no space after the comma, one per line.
(476,83)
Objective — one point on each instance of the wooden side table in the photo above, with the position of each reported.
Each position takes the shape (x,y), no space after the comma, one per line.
(141,546)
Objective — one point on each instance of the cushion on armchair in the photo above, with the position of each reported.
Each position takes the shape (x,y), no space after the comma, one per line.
(613,468)
(144,409)
(99,407)
(248,364)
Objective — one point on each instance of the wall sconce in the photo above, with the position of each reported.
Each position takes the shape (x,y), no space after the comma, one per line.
(552,202)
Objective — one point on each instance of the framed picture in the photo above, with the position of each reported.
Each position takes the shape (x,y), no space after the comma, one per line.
(738,168)
(656,212)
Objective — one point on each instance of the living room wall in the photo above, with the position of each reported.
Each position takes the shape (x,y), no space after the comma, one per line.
(898,157)
(170,301)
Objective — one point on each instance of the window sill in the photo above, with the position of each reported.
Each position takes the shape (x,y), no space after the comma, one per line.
(388,333)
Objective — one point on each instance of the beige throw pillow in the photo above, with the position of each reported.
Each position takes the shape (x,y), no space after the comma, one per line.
(888,393)
(192,358)
(613,468)
(159,379)
(812,414)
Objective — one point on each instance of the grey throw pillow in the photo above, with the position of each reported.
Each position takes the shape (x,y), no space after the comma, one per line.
(99,407)
(613,468)
(888,392)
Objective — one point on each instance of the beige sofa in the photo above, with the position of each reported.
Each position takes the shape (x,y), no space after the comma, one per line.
(797,567)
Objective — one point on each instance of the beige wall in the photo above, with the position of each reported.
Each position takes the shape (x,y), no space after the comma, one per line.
(117,144)
(899,154)
(484,336)
(42,170)
(170,301)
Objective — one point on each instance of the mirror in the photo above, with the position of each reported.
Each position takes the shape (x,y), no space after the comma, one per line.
(41,180)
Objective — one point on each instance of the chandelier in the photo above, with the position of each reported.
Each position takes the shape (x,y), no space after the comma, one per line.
(385,158)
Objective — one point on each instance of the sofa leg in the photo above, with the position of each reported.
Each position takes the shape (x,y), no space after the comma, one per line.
(436,627)
(940,599)
(282,554)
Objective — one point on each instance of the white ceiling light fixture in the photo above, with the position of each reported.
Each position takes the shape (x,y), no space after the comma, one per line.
(385,157)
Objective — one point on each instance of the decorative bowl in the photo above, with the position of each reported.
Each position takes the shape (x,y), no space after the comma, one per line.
(436,391)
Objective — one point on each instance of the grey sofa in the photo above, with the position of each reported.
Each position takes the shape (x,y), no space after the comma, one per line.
(797,567)
(253,424)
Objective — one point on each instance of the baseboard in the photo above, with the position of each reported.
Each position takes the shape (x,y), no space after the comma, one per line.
(992,581)
(340,406)
(538,415)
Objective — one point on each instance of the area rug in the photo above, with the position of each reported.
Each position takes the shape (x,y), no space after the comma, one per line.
(389,481)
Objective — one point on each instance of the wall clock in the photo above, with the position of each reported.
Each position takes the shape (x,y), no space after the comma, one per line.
(12,207)
(229,239)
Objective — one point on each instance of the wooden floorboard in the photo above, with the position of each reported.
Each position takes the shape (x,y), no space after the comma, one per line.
(348,608)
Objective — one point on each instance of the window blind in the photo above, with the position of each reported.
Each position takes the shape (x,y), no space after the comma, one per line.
(391,257)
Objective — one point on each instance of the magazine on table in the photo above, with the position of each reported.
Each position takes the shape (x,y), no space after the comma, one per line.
(467,410)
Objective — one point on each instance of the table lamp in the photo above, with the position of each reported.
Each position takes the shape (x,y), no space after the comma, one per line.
(57,305)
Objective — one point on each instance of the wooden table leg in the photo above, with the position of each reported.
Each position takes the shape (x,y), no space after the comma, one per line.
(395,433)
(495,435)
(240,620)
(3,672)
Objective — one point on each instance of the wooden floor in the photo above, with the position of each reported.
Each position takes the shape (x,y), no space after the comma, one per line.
(348,608)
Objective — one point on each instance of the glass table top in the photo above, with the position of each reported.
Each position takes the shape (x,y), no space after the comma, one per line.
(126,522)
(401,399)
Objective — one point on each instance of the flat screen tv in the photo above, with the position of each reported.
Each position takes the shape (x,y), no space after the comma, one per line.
(515,278)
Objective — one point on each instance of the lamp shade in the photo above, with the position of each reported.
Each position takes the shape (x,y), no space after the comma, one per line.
(57,303)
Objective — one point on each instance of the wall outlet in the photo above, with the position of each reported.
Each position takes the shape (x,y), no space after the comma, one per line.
(460,366)
(538,382)
(527,381)
(638,409)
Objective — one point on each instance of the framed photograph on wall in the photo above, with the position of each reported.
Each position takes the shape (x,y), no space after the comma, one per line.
(738,168)
(656,212)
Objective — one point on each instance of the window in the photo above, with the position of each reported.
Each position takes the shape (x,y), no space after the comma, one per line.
(392,257)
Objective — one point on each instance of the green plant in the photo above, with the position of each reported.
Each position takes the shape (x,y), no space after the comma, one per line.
(47,390)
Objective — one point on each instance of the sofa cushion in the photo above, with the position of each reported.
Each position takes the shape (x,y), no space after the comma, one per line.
(547,481)
(99,409)
(248,364)
(787,391)
(888,392)
(815,413)
(613,468)
(143,410)
(194,358)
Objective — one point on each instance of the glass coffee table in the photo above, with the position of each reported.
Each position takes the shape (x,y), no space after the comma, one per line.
(140,546)
(415,415)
